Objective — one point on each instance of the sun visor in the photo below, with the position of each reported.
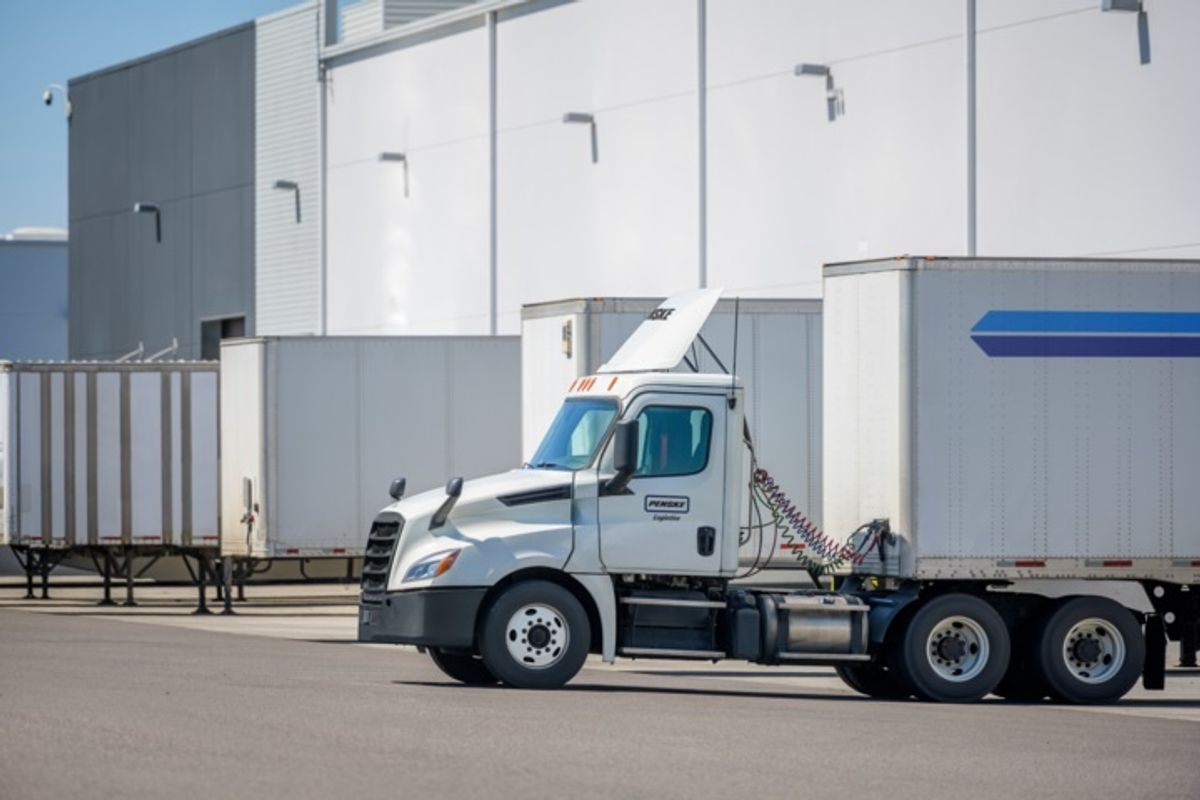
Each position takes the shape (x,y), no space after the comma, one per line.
(665,336)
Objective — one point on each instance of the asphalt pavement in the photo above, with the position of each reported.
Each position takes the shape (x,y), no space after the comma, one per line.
(98,706)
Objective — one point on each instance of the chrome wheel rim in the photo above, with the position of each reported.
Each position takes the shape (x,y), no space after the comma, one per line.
(957,649)
(1093,650)
(537,636)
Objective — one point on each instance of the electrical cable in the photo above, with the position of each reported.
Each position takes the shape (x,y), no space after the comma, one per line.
(799,533)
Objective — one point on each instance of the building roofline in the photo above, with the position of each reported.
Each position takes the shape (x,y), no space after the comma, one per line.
(178,48)
(425,25)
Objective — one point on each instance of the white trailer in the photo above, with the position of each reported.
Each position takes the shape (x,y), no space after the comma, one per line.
(778,361)
(100,460)
(1011,452)
(1017,419)
(102,454)
(313,430)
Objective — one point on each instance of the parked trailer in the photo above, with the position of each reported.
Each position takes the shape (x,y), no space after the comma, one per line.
(778,361)
(108,461)
(1011,452)
(313,430)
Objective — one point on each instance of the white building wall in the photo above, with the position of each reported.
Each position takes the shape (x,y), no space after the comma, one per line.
(414,263)
(287,147)
(1082,150)
(626,224)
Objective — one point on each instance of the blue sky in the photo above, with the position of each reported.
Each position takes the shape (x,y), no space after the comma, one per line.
(52,41)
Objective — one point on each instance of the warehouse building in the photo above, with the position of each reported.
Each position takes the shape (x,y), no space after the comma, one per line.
(430,167)
(33,294)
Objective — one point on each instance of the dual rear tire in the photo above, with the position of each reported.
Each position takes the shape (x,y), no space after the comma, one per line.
(956,648)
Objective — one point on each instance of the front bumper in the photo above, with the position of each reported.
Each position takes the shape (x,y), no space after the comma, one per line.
(428,617)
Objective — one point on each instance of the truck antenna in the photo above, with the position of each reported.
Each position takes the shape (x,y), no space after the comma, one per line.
(733,368)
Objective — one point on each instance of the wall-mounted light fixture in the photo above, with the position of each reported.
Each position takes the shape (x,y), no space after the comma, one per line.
(579,118)
(48,98)
(294,187)
(401,159)
(835,101)
(151,208)
(1143,24)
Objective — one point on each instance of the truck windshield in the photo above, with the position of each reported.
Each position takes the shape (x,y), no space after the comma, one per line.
(575,434)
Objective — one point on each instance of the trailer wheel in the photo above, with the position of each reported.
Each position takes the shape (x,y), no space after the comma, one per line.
(1089,650)
(954,649)
(873,680)
(535,636)
(463,667)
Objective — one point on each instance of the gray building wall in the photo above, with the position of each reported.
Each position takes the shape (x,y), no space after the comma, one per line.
(287,132)
(175,129)
(33,300)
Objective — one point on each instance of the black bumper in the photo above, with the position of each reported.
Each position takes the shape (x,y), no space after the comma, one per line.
(429,617)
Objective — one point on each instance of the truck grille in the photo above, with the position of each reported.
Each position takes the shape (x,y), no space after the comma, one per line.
(381,543)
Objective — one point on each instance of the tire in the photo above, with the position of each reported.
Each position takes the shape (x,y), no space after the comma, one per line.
(463,667)
(535,636)
(1089,650)
(953,649)
(873,680)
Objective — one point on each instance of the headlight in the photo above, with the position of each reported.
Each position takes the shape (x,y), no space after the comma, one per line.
(431,566)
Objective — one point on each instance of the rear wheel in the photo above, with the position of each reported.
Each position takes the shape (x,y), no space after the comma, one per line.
(1089,650)
(873,680)
(463,667)
(535,636)
(953,649)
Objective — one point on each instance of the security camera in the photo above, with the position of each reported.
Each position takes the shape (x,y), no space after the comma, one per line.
(47,98)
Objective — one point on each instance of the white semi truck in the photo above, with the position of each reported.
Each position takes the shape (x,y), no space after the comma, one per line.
(1011,464)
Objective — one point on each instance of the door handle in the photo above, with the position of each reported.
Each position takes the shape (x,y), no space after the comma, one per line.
(706,540)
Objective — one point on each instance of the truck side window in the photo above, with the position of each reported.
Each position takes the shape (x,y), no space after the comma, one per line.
(673,440)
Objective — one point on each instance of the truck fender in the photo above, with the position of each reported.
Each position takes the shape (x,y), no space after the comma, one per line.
(600,588)
(885,610)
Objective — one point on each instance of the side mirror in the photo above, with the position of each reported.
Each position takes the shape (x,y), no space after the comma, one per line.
(453,490)
(396,490)
(625,446)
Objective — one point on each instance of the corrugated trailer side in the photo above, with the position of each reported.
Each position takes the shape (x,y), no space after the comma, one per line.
(104,454)
(1018,418)
(325,423)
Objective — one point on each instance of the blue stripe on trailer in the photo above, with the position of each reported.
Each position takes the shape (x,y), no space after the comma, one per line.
(1089,346)
(1088,322)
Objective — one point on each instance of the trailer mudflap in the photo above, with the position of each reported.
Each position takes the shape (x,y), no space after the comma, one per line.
(1154,670)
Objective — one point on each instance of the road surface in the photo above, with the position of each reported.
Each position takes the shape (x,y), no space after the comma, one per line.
(102,707)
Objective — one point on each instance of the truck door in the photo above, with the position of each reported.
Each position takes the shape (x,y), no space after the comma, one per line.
(669,519)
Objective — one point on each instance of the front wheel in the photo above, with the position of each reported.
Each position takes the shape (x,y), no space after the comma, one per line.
(535,636)
(463,667)
(954,649)
(1089,650)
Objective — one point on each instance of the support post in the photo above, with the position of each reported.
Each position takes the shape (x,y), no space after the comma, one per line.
(202,582)
(29,568)
(129,601)
(242,568)
(702,143)
(1189,641)
(227,580)
(45,566)
(107,572)
(970,58)
(493,179)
